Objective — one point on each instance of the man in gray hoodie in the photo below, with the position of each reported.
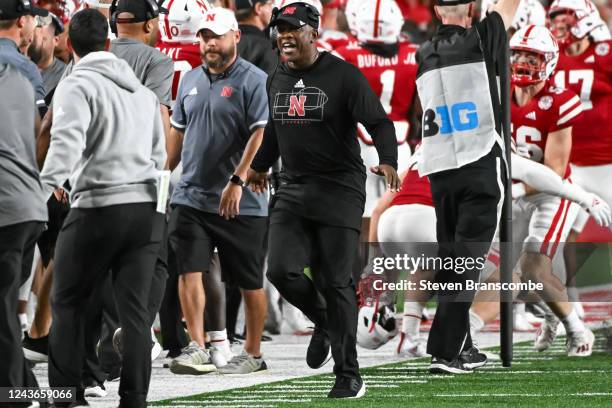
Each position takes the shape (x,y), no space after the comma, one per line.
(108,140)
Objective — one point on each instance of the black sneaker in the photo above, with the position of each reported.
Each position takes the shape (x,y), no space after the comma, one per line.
(319,350)
(472,358)
(36,350)
(441,366)
(346,387)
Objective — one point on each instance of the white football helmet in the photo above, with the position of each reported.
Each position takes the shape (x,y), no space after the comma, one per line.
(582,19)
(362,19)
(537,40)
(375,327)
(181,23)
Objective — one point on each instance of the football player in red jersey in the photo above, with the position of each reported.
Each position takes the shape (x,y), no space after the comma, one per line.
(585,67)
(390,67)
(178,40)
(542,120)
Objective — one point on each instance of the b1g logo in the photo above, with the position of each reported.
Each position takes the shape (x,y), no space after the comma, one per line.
(459,117)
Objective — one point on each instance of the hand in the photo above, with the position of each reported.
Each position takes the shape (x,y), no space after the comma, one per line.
(230,201)
(258,181)
(61,195)
(391,178)
(599,210)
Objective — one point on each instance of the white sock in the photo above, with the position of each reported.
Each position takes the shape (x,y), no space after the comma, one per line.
(217,335)
(411,321)
(572,322)
(23,320)
(476,323)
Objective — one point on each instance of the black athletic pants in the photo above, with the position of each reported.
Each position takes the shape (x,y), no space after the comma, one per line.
(17,243)
(468,207)
(124,239)
(329,300)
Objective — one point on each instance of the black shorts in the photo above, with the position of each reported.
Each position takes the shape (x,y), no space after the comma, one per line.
(241,243)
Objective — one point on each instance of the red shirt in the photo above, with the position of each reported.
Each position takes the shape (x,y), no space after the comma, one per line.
(392,79)
(590,76)
(185,56)
(550,110)
(416,12)
(415,189)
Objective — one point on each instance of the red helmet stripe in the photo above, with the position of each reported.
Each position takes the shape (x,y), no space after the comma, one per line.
(167,21)
(526,36)
(376,15)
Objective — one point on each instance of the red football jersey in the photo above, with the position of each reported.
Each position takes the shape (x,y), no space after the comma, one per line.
(550,110)
(590,76)
(415,189)
(185,56)
(392,79)
(331,43)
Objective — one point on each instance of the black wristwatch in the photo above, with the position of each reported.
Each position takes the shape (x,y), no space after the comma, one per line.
(236,180)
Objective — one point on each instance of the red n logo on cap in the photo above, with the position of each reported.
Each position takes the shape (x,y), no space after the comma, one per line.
(210,17)
(289,10)
(297,105)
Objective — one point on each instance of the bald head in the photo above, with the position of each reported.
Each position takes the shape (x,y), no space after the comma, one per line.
(460,14)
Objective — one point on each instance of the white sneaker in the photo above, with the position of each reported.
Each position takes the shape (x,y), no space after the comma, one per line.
(95,391)
(294,321)
(156,349)
(410,347)
(194,360)
(221,353)
(546,334)
(580,344)
(521,324)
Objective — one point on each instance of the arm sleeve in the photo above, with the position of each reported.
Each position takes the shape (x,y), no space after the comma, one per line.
(493,34)
(256,102)
(71,118)
(365,108)
(158,152)
(178,120)
(159,80)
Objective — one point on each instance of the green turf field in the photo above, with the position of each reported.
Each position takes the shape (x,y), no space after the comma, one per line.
(547,379)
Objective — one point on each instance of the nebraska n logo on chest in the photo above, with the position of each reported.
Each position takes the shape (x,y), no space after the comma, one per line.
(305,105)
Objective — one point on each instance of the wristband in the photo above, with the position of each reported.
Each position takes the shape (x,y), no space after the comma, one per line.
(236,180)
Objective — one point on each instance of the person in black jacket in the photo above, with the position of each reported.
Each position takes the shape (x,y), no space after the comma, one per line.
(315,102)
(253,17)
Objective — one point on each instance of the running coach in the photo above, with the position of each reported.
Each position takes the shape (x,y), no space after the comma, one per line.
(315,102)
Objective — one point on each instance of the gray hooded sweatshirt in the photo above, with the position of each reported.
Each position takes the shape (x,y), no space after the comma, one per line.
(107,136)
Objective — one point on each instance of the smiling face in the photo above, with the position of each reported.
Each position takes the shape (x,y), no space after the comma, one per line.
(296,44)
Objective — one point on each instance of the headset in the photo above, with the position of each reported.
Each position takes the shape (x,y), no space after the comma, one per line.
(152,12)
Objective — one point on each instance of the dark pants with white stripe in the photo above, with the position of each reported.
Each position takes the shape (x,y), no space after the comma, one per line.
(17,243)
(124,239)
(468,204)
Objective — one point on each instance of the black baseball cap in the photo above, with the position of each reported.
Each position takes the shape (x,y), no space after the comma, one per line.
(453,2)
(247,4)
(296,14)
(13,9)
(142,10)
